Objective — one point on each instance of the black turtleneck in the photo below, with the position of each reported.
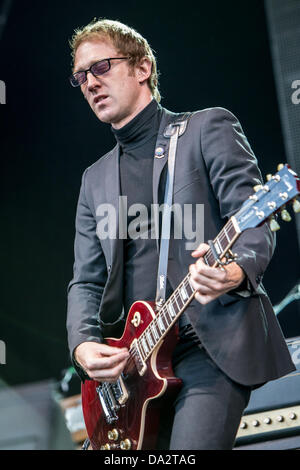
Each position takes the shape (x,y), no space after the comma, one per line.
(137,141)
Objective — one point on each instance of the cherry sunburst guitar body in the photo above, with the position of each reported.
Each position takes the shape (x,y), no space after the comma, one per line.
(137,405)
(125,415)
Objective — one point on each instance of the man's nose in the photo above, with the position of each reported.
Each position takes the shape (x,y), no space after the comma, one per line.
(91,80)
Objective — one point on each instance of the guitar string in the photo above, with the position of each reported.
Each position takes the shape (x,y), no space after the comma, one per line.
(165,318)
(176,295)
(225,234)
(162,315)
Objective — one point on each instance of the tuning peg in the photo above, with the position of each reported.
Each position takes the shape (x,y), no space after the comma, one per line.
(280,166)
(274,225)
(269,177)
(296,206)
(257,187)
(285,215)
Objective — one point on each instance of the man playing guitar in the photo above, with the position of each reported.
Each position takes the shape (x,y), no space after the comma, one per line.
(229,339)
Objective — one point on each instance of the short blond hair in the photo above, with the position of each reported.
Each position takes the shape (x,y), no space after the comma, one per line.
(125,40)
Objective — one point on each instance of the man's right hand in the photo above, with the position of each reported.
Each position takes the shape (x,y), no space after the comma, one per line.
(100,361)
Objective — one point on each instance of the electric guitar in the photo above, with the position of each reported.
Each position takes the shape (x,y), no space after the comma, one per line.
(124,415)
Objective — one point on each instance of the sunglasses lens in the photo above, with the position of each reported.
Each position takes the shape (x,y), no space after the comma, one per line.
(77,79)
(100,67)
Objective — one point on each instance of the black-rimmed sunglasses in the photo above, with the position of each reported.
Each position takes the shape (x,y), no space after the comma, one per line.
(98,68)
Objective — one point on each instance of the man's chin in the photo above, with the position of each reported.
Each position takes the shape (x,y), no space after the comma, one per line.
(104,117)
(110,118)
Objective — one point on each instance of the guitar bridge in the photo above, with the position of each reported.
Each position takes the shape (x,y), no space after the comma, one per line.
(112,396)
(107,407)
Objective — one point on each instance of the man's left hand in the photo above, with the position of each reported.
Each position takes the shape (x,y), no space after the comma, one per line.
(210,282)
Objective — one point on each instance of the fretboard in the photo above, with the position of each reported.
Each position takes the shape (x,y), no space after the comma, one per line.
(170,312)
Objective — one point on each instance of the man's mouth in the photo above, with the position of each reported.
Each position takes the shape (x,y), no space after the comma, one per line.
(99,99)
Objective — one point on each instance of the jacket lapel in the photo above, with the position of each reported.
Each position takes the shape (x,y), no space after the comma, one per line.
(112,299)
(112,196)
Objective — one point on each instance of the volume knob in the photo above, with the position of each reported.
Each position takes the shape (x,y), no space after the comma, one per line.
(105,447)
(113,435)
(126,444)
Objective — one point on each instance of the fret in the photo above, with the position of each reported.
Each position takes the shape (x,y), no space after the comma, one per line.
(188,286)
(209,258)
(184,294)
(218,246)
(175,303)
(223,241)
(231,231)
(161,324)
(149,338)
(171,310)
(180,302)
(138,352)
(145,346)
(157,326)
(152,333)
(155,334)
(141,348)
(226,235)
(167,317)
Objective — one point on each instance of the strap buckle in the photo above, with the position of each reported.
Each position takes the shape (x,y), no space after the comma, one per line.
(182,123)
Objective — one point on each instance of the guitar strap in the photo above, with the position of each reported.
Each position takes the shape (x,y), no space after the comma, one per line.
(172,131)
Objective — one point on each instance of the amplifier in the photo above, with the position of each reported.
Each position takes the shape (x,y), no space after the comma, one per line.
(272,418)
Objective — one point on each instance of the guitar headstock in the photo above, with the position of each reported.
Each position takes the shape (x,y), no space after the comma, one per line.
(279,190)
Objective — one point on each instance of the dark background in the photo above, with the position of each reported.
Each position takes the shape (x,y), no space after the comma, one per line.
(209,54)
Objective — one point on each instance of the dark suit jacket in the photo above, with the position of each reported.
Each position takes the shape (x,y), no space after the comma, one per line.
(215,166)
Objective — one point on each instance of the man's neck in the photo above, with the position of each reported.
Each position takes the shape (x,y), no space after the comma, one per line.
(141,128)
(136,111)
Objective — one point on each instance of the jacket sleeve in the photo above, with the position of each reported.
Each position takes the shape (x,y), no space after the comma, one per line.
(86,288)
(233,171)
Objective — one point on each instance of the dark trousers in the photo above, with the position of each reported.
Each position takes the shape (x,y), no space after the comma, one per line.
(206,413)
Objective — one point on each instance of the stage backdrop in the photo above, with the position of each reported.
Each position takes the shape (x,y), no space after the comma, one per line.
(209,54)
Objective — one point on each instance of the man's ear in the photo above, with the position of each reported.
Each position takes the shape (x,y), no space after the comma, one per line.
(144,69)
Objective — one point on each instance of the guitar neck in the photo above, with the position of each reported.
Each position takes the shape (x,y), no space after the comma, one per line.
(170,312)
